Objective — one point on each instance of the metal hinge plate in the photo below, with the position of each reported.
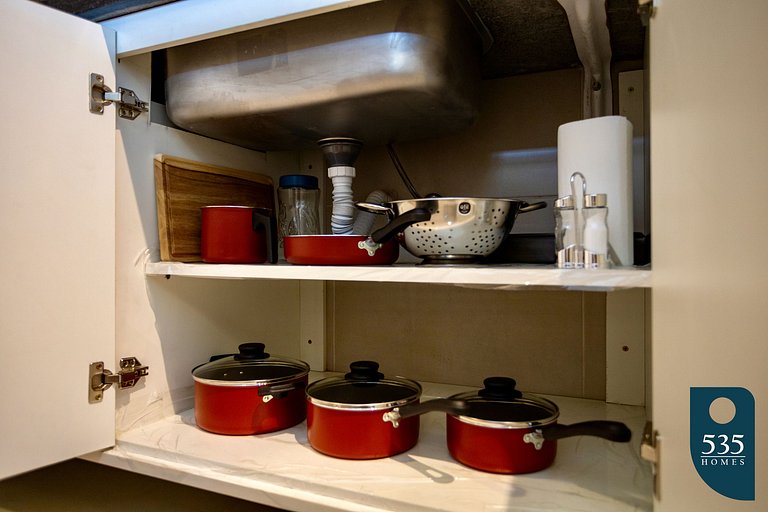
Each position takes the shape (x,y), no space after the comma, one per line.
(129,105)
(650,451)
(101,379)
(646,10)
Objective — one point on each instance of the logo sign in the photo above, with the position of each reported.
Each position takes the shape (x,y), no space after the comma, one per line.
(723,440)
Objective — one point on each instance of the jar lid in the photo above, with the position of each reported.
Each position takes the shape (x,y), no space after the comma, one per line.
(363,388)
(500,405)
(252,366)
(298,181)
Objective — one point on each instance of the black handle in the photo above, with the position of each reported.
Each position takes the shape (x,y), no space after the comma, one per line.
(525,207)
(364,371)
(610,430)
(251,351)
(264,219)
(399,223)
(446,405)
(500,388)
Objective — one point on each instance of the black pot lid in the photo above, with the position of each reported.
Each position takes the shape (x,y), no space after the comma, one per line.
(500,405)
(363,388)
(251,366)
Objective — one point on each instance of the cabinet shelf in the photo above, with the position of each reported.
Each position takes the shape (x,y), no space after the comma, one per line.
(496,276)
(282,469)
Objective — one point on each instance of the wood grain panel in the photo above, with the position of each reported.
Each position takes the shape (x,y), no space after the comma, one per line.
(183,186)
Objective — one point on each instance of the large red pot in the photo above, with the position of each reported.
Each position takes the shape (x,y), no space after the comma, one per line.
(237,234)
(345,414)
(505,431)
(250,392)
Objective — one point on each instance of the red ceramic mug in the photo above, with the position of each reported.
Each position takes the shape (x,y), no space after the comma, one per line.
(237,234)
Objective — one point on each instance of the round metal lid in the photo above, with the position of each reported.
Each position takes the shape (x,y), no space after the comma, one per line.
(363,388)
(500,405)
(252,366)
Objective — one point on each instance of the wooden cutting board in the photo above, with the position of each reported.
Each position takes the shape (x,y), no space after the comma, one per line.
(183,186)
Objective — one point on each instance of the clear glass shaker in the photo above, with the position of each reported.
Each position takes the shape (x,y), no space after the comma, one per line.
(298,197)
(596,231)
(567,247)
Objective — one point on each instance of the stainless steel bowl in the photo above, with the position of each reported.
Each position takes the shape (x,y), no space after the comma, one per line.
(460,229)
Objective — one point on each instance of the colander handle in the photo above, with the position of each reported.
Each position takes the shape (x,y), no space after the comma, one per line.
(380,209)
(526,207)
(399,223)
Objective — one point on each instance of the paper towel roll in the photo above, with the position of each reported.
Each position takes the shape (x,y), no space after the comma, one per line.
(601,150)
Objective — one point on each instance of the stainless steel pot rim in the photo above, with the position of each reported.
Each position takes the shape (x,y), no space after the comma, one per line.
(252,383)
(456,198)
(360,407)
(530,400)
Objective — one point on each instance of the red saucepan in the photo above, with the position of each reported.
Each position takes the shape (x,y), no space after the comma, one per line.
(502,430)
(345,414)
(250,392)
(237,234)
(381,248)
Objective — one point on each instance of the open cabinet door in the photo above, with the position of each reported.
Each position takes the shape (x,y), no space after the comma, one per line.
(709,148)
(57,234)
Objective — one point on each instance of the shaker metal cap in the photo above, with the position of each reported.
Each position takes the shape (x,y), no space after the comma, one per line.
(595,201)
(565,203)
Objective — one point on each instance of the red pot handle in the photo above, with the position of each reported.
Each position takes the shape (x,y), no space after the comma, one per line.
(611,430)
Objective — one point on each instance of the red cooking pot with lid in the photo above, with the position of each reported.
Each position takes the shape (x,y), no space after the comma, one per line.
(344,414)
(505,431)
(250,392)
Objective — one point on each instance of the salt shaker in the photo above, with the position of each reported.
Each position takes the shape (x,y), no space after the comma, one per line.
(566,243)
(596,231)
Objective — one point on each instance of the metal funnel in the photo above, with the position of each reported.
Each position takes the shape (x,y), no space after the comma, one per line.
(340,151)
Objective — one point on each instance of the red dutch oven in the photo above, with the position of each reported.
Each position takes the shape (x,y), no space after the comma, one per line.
(505,431)
(344,414)
(250,392)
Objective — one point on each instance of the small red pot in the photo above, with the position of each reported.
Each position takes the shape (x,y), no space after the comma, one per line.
(346,416)
(504,431)
(237,234)
(250,392)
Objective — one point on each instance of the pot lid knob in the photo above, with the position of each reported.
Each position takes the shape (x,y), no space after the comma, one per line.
(364,371)
(251,351)
(500,388)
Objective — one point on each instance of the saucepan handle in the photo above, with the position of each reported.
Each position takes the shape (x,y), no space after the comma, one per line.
(611,430)
(264,218)
(526,207)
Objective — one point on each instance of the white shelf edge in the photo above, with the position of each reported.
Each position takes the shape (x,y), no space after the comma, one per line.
(282,470)
(491,276)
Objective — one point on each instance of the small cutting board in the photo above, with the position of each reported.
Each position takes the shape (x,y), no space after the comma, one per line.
(183,186)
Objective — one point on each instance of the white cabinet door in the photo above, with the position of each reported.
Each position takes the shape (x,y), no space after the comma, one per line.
(709,148)
(57,236)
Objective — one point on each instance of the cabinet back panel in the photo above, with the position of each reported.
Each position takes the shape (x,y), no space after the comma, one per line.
(549,341)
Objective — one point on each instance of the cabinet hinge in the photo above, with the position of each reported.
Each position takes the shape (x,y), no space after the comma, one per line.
(650,451)
(129,105)
(101,379)
(646,10)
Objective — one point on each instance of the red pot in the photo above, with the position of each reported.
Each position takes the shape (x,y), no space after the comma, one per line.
(504,431)
(250,392)
(237,234)
(345,416)
(381,248)
(337,250)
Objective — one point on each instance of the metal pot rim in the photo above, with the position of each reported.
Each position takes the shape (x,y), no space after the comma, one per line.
(537,401)
(321,384)
(251,383)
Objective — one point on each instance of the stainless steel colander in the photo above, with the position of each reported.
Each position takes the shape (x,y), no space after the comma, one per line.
(460,229)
